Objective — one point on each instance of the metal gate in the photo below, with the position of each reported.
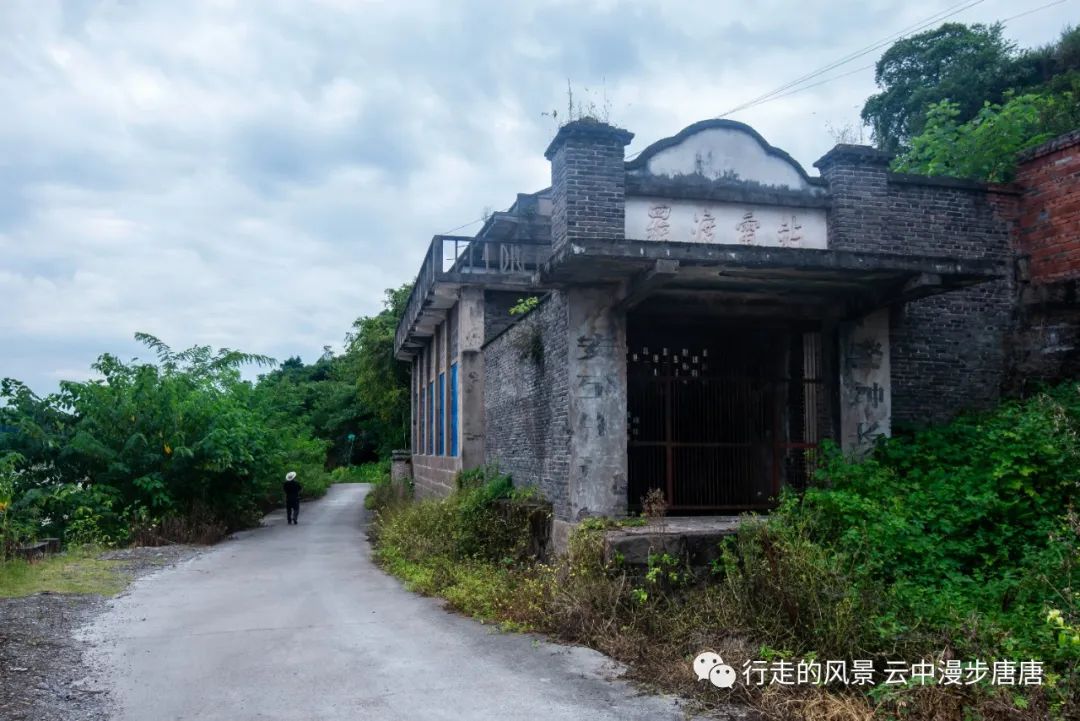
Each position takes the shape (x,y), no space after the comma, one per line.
(720,420)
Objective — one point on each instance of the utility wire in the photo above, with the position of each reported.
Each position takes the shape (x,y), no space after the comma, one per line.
(911,29)
(791,86)
(466,225)
(1034,10)
(814,85)
(768,99)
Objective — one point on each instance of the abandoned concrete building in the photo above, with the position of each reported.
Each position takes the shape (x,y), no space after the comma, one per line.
(707,313)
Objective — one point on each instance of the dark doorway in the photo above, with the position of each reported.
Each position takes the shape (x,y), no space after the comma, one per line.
(720,417)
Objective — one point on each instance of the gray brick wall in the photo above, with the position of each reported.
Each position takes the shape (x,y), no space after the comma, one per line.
(948,352)
(526,403)
(588,182)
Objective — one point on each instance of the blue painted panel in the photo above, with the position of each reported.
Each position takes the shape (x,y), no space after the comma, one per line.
(440,415)
(453,411)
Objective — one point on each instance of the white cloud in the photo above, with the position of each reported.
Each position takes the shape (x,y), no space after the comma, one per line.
(254,174)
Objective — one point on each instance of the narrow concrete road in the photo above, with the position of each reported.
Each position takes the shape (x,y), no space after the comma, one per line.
(297,623)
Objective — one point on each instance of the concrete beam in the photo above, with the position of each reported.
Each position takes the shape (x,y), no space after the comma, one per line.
(638,289)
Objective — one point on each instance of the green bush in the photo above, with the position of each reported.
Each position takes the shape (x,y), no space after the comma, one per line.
(957,540)
(486,518)
(375,472)
(183,437)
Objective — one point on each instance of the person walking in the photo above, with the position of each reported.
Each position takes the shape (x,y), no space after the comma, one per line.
(292,497)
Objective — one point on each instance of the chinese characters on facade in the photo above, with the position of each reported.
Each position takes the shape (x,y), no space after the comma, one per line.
(786,232)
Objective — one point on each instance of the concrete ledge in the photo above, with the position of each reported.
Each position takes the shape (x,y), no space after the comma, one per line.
(694,538)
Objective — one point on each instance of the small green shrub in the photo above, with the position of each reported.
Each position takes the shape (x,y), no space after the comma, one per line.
(525,305)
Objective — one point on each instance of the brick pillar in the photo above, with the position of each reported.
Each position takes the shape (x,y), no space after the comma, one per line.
(1050,209)
(858,184)
(588,182)
(470,328)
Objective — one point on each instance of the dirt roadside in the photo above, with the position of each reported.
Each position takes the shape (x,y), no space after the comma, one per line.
(44,675)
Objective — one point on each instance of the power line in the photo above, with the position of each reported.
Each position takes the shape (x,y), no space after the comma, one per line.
(767,99)
(920,25)
(466,225)
(910,29)
(814,85)
(1035,10)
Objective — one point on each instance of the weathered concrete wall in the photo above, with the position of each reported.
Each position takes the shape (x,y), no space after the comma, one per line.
(865,386)
(698,221)
(434,476)
(400,466)
(526,405)
(471,374)
(597,373)
(721,150)
(459,340)
(497,305)
(947,352)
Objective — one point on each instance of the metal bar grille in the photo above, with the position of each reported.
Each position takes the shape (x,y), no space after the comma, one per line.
(722,419)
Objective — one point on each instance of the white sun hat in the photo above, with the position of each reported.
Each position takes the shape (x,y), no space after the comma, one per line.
(290,475)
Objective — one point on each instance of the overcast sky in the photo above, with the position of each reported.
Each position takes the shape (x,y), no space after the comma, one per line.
(254,174)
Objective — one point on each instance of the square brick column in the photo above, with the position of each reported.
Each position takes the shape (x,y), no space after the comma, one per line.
(588,182)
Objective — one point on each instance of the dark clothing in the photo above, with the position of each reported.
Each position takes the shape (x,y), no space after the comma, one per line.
(292,500)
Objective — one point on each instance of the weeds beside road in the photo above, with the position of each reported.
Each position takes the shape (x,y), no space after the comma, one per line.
(953,544)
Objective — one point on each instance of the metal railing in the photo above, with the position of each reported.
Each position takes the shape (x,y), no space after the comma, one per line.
(452,258)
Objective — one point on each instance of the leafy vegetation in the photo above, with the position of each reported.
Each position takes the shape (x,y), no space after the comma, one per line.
(524,305)
(381,380)
(985,147)
(184,449)
(103,460)
(357,401)
(953,542)
(968,66)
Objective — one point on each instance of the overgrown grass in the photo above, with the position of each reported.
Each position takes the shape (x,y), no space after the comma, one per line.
(78,571)
(375,472)
(383,494)
(957,542)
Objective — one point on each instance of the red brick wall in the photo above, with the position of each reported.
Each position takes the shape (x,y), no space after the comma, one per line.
(1048,229)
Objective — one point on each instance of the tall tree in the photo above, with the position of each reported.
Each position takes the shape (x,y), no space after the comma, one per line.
(382,380)
(1052,68)
(967,65)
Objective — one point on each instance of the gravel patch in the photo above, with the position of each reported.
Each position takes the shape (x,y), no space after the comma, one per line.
(44,675)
